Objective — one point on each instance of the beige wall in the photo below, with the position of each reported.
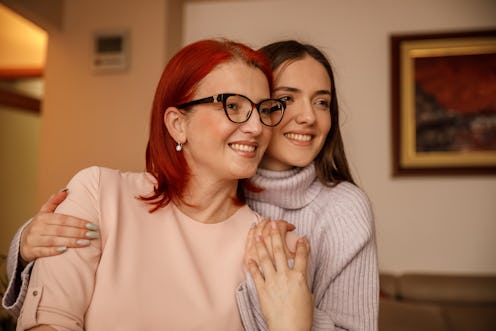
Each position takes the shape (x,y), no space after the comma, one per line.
(98,119)
(22,45)
(87,119)
(425,223)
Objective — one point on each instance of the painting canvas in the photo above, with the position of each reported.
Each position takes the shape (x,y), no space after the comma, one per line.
(444,103)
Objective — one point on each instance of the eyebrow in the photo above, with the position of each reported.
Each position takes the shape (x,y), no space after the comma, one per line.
(287,89)
(295,90)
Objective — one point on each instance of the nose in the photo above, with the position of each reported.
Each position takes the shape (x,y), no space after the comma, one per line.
(253,125)
(306,113)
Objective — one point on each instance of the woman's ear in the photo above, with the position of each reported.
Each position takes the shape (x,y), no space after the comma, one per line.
(175,122)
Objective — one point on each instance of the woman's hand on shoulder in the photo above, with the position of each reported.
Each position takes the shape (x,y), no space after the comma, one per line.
(282,288)
(51,234)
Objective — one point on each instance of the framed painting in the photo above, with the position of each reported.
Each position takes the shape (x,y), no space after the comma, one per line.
(444,103)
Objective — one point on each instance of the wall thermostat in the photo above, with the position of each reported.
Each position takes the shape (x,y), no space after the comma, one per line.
(110,51)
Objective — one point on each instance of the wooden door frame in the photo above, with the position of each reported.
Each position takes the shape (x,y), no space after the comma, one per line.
(14,99)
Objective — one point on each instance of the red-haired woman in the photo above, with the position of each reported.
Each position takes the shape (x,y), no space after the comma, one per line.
(172,239)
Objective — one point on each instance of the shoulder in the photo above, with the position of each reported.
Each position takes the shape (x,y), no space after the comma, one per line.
(347,195)
(95,182)
(87,178)
(344,225)
(346,205)
(94,190)
(97,175)
(344,195)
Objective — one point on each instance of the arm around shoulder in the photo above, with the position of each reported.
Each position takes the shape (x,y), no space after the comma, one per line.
(72,272)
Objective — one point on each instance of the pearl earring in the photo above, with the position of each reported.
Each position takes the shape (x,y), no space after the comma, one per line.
(179,147)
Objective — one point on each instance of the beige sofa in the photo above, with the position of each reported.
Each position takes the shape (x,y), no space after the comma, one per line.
(425,302)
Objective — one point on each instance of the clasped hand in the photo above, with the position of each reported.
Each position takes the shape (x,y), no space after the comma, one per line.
(283,293)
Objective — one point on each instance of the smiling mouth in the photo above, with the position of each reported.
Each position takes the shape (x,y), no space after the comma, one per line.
(243,148)
(298,137)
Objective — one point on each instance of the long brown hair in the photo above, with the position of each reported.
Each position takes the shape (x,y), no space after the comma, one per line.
(331,164)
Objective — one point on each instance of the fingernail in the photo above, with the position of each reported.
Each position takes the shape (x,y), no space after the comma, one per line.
(273,225)
(61,249)
(64,190)
(92,234)
(91,226)
(83,242)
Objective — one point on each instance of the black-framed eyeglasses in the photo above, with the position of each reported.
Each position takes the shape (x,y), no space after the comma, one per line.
(239,108)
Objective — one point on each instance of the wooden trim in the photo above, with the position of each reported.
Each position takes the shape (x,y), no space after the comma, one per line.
(16,100)
(13,73)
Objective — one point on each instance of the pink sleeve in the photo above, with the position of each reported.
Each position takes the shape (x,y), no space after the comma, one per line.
(61,286)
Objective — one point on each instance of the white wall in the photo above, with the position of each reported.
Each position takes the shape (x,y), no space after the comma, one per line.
(423,223)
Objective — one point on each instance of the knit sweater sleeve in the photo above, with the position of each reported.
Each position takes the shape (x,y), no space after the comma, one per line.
(345,282)
(18,276)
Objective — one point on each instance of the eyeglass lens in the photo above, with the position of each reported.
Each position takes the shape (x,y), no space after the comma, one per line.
(238,108)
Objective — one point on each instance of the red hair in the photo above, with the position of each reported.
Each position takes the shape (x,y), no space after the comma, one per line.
(177,85)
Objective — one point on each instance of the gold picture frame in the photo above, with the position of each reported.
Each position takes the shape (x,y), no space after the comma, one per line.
(444,103)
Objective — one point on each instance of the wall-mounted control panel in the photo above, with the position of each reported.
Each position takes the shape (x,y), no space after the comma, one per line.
(110,51)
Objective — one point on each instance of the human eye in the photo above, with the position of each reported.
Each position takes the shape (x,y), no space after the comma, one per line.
(322,104)
(270,106)
(232,106)
(287,99)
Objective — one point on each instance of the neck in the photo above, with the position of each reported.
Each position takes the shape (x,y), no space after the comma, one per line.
(209,201)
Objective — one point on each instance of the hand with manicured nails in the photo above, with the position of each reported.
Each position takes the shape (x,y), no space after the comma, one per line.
(283,292)
(51,234)
(264,229)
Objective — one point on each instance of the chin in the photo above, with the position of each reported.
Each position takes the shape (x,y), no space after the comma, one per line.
(300,162)
(245,172)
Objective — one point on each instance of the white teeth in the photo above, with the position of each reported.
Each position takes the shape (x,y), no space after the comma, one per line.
(300,137)
(243,148)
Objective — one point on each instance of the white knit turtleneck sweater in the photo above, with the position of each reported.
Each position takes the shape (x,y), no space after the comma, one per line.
(338,223)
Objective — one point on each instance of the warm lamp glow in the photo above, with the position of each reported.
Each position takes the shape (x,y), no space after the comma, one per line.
(23,43)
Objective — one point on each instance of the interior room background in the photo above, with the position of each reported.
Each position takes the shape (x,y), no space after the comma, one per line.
(428,224)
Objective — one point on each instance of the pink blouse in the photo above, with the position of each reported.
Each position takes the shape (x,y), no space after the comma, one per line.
(149,271)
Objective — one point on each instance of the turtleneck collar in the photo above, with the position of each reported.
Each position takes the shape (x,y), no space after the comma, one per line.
(290,189)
